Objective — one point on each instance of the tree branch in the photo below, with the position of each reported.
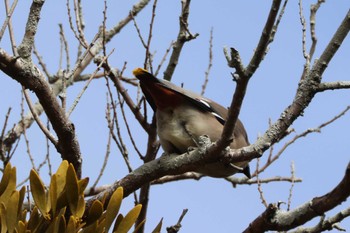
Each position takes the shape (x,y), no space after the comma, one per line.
(183,36)
(31,78)
(278,220)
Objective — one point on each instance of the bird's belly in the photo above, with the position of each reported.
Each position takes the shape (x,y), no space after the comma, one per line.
(172,133)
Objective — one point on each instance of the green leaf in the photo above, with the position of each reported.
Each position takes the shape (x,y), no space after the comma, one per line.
(129,219)
(113,207)
(39,195)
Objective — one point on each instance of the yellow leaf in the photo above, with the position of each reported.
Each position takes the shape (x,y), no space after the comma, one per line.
(129,219)
(33,220)
(10,182)
(21,227)
(119,219)
(22,193)
(53,194)
(39,195)
(72,225)
(62,224)
(113,207)
(3,214)
(12,211)
(158,227)
(53,227)
(95,212)
(139,226)
(72,189)
(5,178)
(82,185)
(80,207)
(61,176)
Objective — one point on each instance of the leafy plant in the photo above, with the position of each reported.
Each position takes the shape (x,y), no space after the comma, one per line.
(61,206)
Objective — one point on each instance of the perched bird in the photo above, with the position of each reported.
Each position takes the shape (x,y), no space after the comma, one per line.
(182,116)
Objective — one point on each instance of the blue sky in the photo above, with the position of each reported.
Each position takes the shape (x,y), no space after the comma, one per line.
(214,206)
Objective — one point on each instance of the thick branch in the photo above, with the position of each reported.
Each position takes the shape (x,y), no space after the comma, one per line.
(25,48)
(278,220)
(242,82)
(307,89)
(31,78)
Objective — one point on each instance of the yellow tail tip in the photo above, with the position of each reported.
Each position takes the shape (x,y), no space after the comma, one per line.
(139,71)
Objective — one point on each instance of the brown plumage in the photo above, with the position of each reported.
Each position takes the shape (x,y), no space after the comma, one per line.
(183,116)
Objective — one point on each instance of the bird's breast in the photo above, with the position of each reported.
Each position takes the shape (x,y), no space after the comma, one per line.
(179,128)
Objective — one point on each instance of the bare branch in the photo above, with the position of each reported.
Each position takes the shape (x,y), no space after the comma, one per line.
(183,36)
(177,226)
(261,193)
(210,64)
(313,10)
(76,101)
(333,86)
(235,180)
(8,18)
(274,219)
(326,224)
(12,36)
(31,78)
(242,82)
(37,119)
(25,48)
(292,171)
(306,90)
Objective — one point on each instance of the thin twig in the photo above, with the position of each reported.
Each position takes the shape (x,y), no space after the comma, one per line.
(8,18)
(77,36)
(2,151)
(78,19)
(279,18)
(65,46)
(292,171)
(77,99)
(148,57)
(303,24)
(48,151)
(163,59)
(261,193)
(210,63)
(12,36)
(183,36)
(313,10)
(104,165)
(37,119)
(31,159)
(41,62)
(177,226)
(298,136)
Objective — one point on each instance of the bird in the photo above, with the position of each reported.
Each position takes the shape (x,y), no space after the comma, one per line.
(182,116)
